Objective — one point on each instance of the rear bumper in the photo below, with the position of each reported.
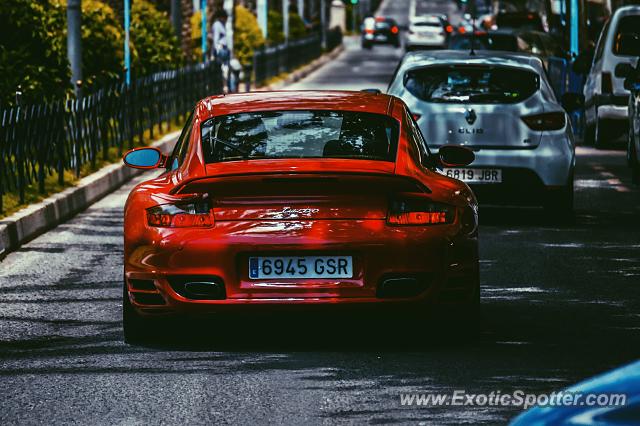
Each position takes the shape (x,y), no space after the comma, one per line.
(413,41)
(443,265)
(527,174)
(547,165)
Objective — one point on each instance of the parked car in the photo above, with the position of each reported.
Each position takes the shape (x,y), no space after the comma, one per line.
(502,106)
(380,30)
(609,399)
(310,198)
(606,99)
(631,77)
(427,32)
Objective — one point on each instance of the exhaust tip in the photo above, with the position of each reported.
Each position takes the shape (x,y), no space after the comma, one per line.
(198,287)
(402,286)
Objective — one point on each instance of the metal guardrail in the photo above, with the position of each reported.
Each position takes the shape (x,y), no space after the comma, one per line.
(271,61)
(64,135)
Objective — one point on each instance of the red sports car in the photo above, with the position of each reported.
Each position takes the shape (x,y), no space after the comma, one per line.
(298,198)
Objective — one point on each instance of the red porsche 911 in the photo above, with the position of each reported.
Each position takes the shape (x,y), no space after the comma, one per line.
(298,198)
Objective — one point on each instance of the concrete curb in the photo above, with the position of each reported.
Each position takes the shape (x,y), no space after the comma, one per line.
(304,71)
(38,218)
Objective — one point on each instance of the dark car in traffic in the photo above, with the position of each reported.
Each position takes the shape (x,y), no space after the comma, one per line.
(380,30)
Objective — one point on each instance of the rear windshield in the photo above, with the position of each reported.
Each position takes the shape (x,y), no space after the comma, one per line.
(471,84)
(627,40)
(504,42)
(300,134)
(463,42)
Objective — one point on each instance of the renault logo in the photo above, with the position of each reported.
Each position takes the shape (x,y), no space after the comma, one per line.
(470,116)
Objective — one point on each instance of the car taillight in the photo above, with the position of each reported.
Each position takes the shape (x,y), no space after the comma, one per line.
(546,121)
(416,116)
(182,215)
(369,31)
(394,30)
(606,83)
(419,212)
(449,29)
(461,30)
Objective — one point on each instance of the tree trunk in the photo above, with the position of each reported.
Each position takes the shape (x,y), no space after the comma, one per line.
(185,39)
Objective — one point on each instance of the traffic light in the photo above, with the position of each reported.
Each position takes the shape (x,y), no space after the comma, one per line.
(354,1)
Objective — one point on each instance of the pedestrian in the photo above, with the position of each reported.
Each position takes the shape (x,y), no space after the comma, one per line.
(220,46)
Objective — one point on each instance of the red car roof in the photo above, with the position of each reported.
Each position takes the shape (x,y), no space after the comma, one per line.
(294,100)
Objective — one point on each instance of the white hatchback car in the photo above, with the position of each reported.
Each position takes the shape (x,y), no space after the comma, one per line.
(426,32)
(500,105)
(605,97)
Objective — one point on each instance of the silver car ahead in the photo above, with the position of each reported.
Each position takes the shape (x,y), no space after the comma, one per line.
(500,105)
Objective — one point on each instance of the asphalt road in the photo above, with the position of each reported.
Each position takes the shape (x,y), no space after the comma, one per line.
(560,303)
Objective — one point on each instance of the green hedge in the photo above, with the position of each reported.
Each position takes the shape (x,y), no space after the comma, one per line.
(247,36)
(155,46)
(275,31)
(36,55)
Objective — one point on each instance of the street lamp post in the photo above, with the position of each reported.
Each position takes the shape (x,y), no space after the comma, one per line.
(285,20)
(127,51)
(74,42)
(203,21)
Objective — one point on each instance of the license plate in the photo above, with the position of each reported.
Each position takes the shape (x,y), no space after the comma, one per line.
(475,175)
(301,267)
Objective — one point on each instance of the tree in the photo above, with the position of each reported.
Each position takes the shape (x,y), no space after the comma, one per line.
(154,43)
(247,36)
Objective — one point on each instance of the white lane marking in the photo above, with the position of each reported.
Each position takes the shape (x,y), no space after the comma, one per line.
(518,290)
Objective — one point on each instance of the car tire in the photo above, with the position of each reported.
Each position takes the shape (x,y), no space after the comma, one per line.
(136,329)
(589,134)
(632,158)
(467,318)
(559,203)
(367,45)
(603,133)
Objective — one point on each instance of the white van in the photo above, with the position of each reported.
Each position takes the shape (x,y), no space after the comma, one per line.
(606,98)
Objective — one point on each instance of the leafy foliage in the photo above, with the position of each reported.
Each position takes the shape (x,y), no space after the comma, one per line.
(275,31)
(154,42)
(33,47)
(247,36)
(101,33)
(297,29)
(32,52)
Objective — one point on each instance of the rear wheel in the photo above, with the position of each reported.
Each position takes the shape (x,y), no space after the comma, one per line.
(603,133)
(136,328)
(559,203)
(589,134)
(632,158)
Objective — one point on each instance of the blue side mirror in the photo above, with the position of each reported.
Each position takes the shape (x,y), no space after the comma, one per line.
(143,158)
